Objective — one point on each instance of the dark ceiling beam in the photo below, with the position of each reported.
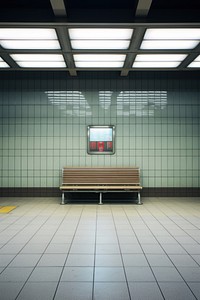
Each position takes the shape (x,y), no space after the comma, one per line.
(7,58)
(58,7)
(134,46)
(143,8)
(190,58)
(64,40)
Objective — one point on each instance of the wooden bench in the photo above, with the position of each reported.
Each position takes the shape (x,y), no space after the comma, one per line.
(100,180)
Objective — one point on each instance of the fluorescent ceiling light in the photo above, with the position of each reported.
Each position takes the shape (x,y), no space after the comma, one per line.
(100,44)
(99,60)
(156,64)
(99,57)
(197,58)
(37,57)
(160,57)
(171,38)
(158,60)
(39,60)
(194,64)
(30,44)
(39,64)
(3,64)
(169,44)
(172,34)
(98,64)
(100,38)
(100,33)
(27,33)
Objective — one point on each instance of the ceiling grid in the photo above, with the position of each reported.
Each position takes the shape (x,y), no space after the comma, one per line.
(62,41)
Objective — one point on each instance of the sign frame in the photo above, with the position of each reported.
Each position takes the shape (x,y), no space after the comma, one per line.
(101,139)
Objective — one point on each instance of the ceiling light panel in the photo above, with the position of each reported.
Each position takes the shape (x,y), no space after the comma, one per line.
(37,57)
(160,57)
(39,60)
(30,44)
(100,38)
(99,60)
(158,60)
(171,38)
(100,44)
(3,64)
(27,33)
(97,64)
(169,44)
(99,57)
(100,33)
(172,34)
(195,63)
(44,64)
(156,64)
(29,38)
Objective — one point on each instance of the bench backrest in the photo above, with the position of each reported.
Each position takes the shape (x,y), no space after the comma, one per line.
(100,176)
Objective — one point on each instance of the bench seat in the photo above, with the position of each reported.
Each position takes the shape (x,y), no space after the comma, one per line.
(100,180)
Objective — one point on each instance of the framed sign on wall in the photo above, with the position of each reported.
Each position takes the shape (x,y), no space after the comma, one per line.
(101,139)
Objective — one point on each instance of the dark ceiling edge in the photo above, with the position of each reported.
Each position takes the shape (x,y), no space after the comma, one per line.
(70,24)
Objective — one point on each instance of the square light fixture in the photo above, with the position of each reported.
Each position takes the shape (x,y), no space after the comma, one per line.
(39,60)
(99,60)
(100,38)
(172,34)
(158,60)
(195,63)
(29,38)
(171,38)
(3,64)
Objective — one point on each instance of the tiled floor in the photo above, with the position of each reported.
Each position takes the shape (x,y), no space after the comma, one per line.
(113,251)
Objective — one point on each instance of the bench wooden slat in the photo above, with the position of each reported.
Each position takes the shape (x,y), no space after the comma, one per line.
(101,176)
(101,179)
(101,187)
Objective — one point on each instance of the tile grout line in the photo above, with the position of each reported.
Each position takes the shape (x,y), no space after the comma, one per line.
(40,257)
(167,256)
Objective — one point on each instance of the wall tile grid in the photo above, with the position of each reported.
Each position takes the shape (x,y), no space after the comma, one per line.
(44,119)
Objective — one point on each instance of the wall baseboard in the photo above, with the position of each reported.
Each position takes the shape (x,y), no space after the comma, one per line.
(171,192)
(55,192)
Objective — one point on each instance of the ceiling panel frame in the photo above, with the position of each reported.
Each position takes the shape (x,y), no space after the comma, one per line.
(67,52)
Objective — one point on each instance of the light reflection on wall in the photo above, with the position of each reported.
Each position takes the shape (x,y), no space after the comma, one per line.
(128,103)
(72,103)
(105,99)
(140,103)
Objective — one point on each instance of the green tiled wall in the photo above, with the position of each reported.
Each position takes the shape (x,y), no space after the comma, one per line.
(44,119)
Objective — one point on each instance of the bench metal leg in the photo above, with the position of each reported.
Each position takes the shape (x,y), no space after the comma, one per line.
(63,198)
(100,198)
(139,200)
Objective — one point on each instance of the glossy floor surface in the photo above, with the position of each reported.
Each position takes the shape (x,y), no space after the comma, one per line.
(100,252)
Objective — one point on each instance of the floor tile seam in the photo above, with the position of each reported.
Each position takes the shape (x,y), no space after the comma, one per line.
(198,264)
(171,262)
(178,214)
(179,226)
(29,241)
(170,235)
(121,254)
(25,243)
(145,254)
(17,232)
(161,282)
(59,280)
(37,262)
(95,250)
